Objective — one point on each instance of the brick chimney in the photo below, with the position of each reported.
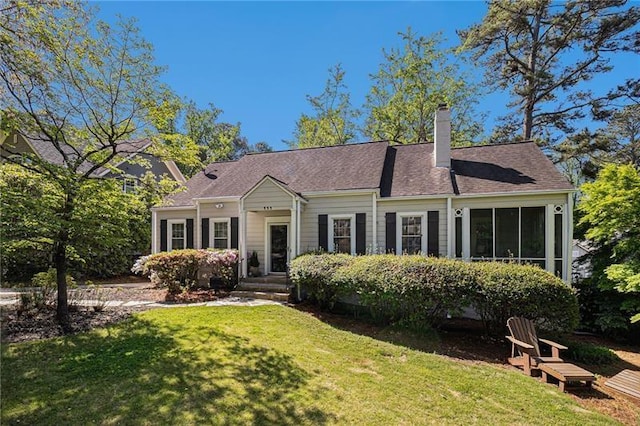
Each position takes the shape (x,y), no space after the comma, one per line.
(442,137)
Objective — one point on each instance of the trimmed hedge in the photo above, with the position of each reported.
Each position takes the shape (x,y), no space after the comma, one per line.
(314,273)
(510,289)
(418,291)
(412,290)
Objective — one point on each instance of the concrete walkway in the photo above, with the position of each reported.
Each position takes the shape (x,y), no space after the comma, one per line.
(10,296)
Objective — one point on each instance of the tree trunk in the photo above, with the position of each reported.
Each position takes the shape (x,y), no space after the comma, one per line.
(60,259)
(530,76)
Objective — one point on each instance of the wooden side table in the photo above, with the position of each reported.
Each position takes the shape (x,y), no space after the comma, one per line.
(565,372)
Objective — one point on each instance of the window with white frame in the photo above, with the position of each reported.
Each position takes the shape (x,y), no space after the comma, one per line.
(129,185)
(342,234)
(177,234)
(220,234)
(410,234)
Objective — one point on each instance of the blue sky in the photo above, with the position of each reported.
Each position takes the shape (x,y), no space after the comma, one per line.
(258,60)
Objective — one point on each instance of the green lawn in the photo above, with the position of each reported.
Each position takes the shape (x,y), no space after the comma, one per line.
(260,365)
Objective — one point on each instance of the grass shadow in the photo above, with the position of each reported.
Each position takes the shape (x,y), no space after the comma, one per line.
(452,340)
(145,372)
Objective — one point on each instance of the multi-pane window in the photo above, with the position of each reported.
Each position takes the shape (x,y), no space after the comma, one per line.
(411,234)
(220,234)
(342,235)
(177,236)
(129,185)
(508,234)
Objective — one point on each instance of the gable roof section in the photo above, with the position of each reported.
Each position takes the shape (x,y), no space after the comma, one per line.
(283,187)
(394,170)
(336,168)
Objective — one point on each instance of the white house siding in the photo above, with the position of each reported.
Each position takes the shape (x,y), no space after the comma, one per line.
(332,205)
(256,228)
(400,206)
(171,214)
(268,196)
(508,201)
(209,210)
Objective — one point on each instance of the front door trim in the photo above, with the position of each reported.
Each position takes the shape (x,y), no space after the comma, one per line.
(274,220)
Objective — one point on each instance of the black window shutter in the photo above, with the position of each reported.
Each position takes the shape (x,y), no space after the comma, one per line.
(205,233)
(234,233)
(433,245)
(163,235)
(361,233)
(390,231)
(190,233)
(323,232)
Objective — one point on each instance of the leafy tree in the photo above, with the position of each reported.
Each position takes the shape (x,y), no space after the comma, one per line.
(194,137)
(529,47)
(408,88)
(583,154)
(119,223)
(333,121)
(81,87)
(610,209)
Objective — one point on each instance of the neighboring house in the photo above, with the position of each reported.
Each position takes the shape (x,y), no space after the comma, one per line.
(581,262)
(504,202)
(131,163)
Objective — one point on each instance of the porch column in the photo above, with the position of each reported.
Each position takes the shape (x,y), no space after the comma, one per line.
(293,238)
(154,231)
(466,234)
(242,241)
(568,240)
(549,252)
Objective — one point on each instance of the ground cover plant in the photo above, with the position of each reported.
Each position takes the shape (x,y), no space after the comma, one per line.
(260,365)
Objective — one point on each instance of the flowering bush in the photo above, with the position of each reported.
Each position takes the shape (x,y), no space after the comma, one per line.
(178,270)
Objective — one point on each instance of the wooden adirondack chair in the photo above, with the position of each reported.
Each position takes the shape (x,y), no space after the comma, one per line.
(525,349)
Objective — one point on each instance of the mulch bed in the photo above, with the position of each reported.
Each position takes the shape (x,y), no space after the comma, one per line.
(22,327)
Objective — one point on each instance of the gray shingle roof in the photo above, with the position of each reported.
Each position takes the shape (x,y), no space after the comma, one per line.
(48,152)
(336,168)
(505,168)
(397,170)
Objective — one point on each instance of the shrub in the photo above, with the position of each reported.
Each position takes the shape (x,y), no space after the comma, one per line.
(510,289)
(418,291)
(24,258)
(314,273)
(415,291)
(44,295)
(178,270)
(589,353)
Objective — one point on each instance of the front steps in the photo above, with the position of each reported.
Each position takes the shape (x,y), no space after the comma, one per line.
(268,287)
